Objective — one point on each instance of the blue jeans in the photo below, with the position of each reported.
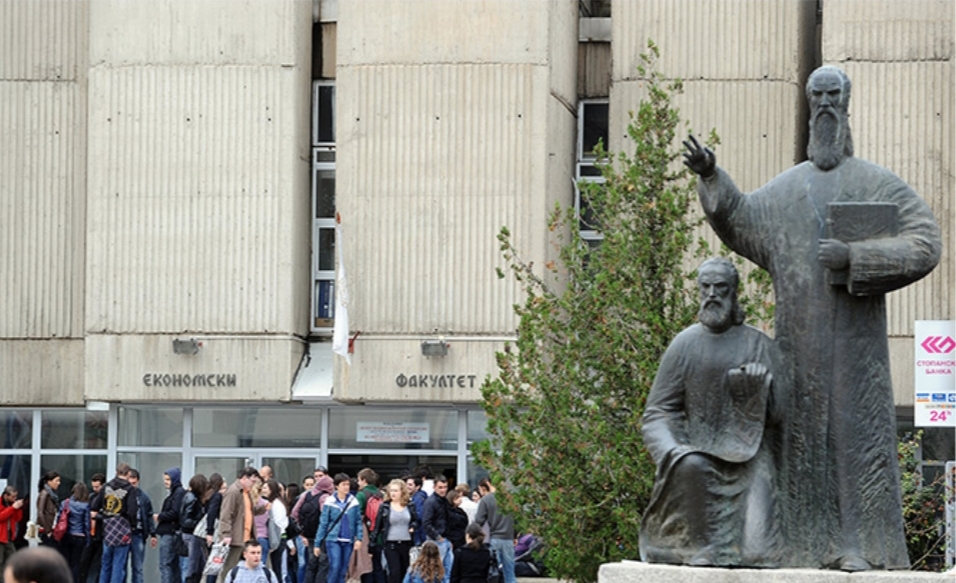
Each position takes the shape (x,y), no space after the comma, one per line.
(447,556)
(113,564)
(137,553)
(339,555)
(300,549)
(169,571)
(264,541)
(506,556)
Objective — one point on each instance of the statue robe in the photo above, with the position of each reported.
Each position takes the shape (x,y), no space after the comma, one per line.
(721,506)
(840,473)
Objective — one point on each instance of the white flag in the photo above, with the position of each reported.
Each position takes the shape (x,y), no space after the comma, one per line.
(340,331)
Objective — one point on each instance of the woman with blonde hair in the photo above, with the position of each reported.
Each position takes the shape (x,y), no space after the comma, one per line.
(395,526)
(428,567)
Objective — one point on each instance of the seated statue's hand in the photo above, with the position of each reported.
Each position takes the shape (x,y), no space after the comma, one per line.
(698,158)
(748,379)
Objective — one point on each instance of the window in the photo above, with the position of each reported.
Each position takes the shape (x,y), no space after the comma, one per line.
(323,207)
(592,128)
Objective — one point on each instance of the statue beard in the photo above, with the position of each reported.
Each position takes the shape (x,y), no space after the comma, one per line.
(716,315)
(830,139)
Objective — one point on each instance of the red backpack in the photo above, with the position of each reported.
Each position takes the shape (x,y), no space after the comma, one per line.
(371,510)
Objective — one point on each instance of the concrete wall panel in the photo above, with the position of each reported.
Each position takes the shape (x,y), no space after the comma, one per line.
(199,186)
(714,39)
(432,161)
(42,41)
(220,32)
(41,372)
(144,368)
(42,209)
(473,31)
(887,30)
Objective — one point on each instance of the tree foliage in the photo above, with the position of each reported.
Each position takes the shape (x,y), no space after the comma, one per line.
(564,412)
(923,508)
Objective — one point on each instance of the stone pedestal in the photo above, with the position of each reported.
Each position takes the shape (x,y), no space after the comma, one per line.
(637,572)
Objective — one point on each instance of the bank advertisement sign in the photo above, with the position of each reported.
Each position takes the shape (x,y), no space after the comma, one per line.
(935,399)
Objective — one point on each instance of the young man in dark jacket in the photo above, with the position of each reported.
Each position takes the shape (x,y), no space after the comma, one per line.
(117,505)
(144,528)
(435,521)
(167,527)
(368,490)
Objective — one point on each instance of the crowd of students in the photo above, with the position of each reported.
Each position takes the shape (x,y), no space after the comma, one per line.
(332,528)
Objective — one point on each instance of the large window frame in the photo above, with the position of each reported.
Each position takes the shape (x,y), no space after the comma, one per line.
(586,168)
(323,203)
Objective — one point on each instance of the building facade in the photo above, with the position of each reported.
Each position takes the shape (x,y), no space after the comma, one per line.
(171,170)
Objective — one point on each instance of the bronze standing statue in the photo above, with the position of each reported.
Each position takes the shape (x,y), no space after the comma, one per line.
(837,234)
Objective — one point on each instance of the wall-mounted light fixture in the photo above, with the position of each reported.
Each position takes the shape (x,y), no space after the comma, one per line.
(434,347)
(187,346)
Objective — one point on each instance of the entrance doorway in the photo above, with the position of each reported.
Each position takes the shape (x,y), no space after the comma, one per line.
(392,466)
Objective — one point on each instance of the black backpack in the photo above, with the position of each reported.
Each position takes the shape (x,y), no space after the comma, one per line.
(309,514)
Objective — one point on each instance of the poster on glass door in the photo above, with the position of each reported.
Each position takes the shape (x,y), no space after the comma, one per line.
(391,432)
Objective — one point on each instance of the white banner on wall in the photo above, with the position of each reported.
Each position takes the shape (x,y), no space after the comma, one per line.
(398,432)
(935,399)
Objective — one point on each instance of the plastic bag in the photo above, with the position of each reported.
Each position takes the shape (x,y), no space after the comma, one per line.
(217,557)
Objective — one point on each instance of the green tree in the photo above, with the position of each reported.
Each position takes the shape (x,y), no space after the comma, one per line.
(923,507)
(564,412)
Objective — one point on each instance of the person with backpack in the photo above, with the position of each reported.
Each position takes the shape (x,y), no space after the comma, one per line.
(116,503)
(340,529)
(251,569)
(395,528)
(370,500)
(306,514)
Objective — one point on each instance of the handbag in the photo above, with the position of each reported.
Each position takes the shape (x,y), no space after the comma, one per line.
(494,571)
(200,529)
(179,545)
(413,555)
(275,535)
(62,521)
(217,556)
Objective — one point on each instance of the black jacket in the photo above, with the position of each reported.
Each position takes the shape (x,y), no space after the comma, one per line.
(435,516)
(456,523)
(144,521)
(212,512)
(382,522)
(191,512)
(168,521)
(471,565)
(123,507)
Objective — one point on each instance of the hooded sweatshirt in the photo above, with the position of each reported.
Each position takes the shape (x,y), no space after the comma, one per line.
(168,522)
(323,488)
